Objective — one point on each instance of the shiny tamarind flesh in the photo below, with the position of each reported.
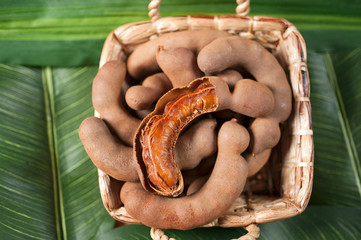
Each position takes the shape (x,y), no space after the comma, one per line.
(156,138)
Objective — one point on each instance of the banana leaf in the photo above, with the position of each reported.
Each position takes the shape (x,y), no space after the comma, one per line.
(48,185)
(71,33)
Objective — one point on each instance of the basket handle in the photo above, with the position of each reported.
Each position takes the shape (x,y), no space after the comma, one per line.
(252,234)
(242,8)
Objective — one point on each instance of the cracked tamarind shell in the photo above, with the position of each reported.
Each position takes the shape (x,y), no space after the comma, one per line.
(157,134)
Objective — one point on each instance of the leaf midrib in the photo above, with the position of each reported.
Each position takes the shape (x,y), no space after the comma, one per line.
(47,81)
(344,122)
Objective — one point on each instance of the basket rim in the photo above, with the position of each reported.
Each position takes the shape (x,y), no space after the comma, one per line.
(115,47)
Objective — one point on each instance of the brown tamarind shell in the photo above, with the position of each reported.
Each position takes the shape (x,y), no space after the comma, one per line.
(155,172)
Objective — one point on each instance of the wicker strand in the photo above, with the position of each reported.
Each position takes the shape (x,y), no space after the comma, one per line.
(158,234)
(253,233)
(242,8)
(153,8)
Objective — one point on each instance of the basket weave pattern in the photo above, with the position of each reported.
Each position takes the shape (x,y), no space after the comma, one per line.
(290,169)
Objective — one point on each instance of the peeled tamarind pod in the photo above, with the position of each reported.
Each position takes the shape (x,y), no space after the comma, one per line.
(117,160)
(107,152)
(224,185)
(106,98)
(236,52)
(141,97)
(142,61)
(157,135)
(179,64)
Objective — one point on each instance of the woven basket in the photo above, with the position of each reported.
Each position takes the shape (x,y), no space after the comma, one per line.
(288,175)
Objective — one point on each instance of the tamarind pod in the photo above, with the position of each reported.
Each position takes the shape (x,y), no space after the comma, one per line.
(233,52)
(228,115)
(257,161)
(156,137)
(107,152)
(179,64)
(117,160)
(249,97)
(106,98)
(230,76)
(197,143)
(224,185)
(142,61)
(197,184)
(143,113)
(265,134)
(141,97)
(205,167)
(262,129)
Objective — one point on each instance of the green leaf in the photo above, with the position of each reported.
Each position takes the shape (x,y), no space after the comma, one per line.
(71,33)
(335,98)
(70,102)
(49,187)
(317,222)
(27,189)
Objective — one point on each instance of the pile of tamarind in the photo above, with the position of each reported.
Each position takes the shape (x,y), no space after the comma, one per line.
(201,116)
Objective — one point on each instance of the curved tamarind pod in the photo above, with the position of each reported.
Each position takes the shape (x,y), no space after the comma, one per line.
(225,184)
(249,97)
(257,161)
(143,113)
(141,97)
(142,61)
(197,184)
(205,167)
(106,151)
(117,160)
(261,129)
(157,135)
(230,76)
(265,134)
(106,98)
(196,143)
(179,64)
(233,52)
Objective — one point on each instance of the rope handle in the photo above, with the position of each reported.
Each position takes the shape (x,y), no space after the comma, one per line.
(242,8)
(253,233)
